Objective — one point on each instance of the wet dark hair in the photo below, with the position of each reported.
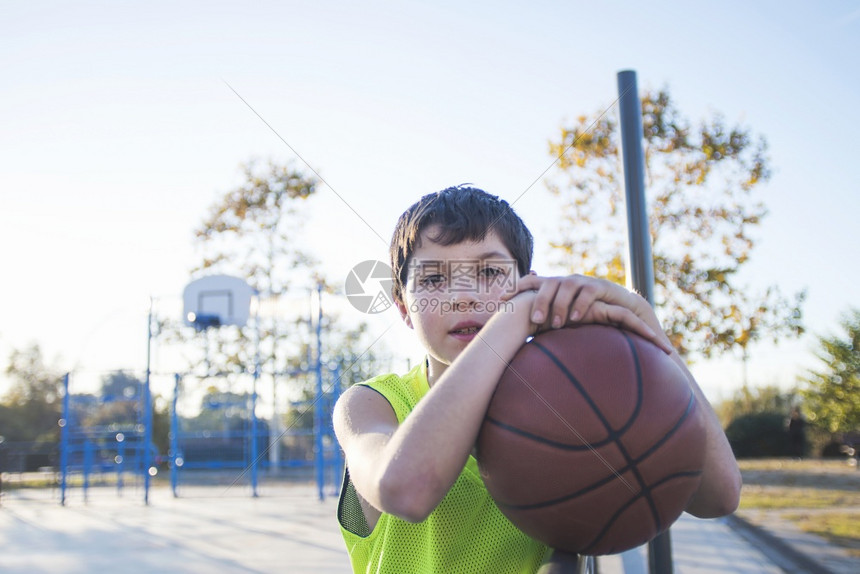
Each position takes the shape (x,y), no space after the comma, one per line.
(462,213)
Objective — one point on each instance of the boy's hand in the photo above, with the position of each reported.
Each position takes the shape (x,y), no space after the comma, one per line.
(577,299)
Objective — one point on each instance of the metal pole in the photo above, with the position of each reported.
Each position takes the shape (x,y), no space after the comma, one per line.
(176,458)
(318,406)
(337,458)
(147,408)
(64,440)
(254,455)
(640,276)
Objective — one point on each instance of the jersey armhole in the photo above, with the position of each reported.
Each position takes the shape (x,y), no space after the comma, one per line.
(350,515)
(349,512)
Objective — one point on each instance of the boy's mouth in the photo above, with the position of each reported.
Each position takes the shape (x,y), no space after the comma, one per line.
(465,330)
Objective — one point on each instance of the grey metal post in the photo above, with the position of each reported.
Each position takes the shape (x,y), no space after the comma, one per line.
(641,264)
(176,457)
(255,457)
(318,403)
(64,439)
(147,407)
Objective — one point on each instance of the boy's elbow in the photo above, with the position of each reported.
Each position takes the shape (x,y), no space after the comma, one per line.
(732,497)
(714,501)
(405,498)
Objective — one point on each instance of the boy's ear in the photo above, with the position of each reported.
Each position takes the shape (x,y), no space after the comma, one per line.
(401,306)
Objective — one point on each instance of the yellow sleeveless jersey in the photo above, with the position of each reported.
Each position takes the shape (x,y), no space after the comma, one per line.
(465,534)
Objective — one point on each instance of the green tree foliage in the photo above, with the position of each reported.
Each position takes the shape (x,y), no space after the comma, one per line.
(34,404)
(255,232)
(348,359)
(763,399)
(700,185)
(119,403)
(119,406)
(221,411)
(756,435)
(833,391)
(755,420)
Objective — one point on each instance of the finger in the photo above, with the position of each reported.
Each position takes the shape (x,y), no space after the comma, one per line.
(528,282)
(544,298)
(568,289)
(627,319)
(588,293)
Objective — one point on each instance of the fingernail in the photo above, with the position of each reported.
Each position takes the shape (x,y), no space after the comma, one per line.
(575,315)
(537,317)
(556,322)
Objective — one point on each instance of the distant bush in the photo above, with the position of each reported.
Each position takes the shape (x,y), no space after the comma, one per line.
(758,435)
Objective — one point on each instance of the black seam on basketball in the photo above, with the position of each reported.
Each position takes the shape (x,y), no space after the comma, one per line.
(612,435)
(643,488)
(672,430)
(602,481)
(593,486)
(610,522)
(646,491)
(640,391)
(630,502)
(575,382)
(673,476)
(546,441)
(616,438)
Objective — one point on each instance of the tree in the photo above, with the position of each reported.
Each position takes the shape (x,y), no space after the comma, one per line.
(120,402)
(254,232)
(347,359)
(833,392)
(702,213)
(755,421)
(34,404)
(764,399)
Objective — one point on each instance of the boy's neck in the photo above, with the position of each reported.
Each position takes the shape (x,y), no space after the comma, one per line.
(435,368)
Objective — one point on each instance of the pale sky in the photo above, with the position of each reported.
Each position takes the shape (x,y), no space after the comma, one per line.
(118,130)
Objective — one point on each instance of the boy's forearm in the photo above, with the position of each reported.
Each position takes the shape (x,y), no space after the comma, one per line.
(719,490)
(430,448)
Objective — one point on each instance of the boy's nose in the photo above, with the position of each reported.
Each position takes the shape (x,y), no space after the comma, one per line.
(463,297)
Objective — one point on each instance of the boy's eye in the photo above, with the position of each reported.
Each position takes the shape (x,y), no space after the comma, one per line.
(432,280)
(490,272)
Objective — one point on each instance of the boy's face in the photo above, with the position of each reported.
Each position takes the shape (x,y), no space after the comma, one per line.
(452,291)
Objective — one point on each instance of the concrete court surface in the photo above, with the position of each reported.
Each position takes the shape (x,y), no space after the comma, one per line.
(208,529)
(285,529)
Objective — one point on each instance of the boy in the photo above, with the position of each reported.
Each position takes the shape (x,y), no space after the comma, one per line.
(413,500)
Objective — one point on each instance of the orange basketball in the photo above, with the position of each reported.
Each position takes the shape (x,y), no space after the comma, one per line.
(593,441)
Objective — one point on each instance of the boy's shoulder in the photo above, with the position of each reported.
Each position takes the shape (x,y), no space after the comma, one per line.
(401,391)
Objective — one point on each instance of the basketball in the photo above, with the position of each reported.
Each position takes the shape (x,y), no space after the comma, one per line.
(593,441)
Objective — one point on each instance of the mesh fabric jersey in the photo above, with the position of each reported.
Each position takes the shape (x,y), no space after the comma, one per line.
(466,533)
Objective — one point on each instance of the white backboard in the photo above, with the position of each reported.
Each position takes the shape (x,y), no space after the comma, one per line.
(217,300)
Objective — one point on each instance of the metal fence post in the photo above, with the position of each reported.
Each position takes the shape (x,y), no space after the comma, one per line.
(640,275)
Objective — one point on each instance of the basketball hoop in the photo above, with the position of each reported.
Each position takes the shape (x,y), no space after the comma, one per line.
(217,300)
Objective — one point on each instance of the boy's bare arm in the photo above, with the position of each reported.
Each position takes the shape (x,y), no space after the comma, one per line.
(407,470)
(720,489)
